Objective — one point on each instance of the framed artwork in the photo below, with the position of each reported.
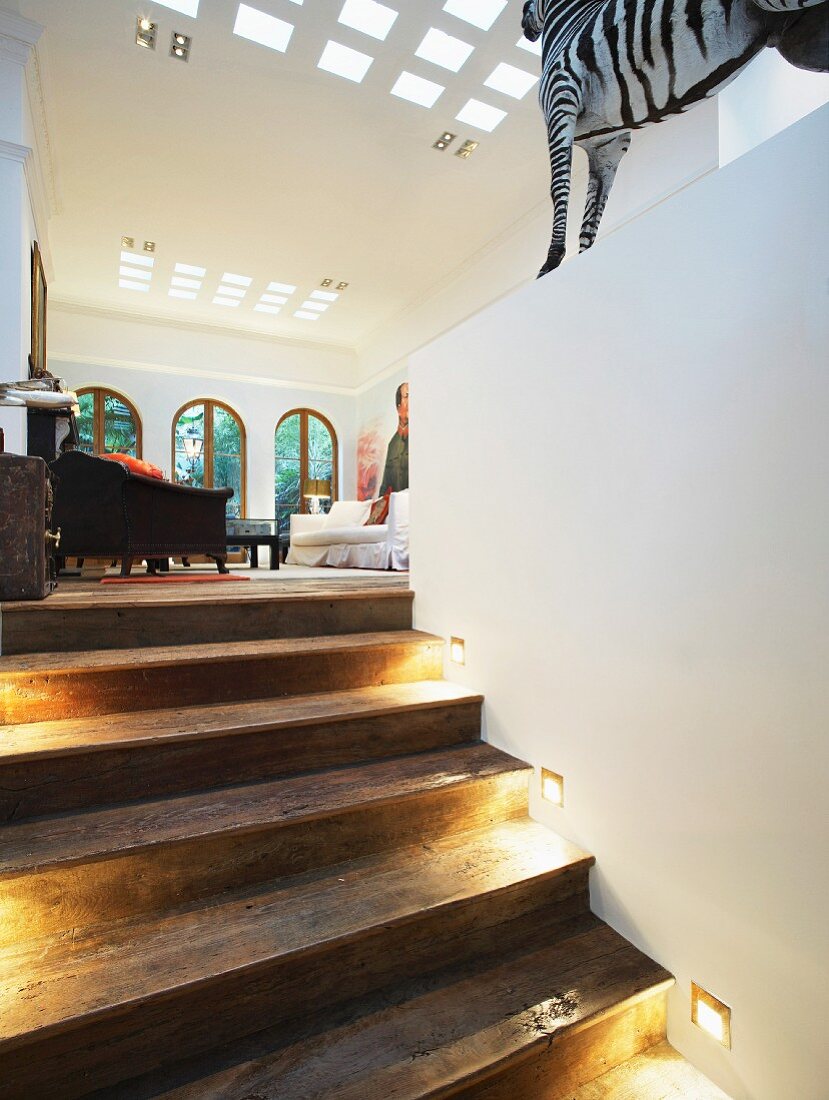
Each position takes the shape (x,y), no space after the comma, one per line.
(37,360)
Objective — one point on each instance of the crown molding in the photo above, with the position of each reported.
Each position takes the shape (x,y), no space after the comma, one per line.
(77,306)
(10,150)
(193,372)
(18,37)
(38,91)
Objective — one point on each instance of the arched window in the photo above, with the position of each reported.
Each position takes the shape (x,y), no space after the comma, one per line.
(108,423)
(305,446)
(209,450)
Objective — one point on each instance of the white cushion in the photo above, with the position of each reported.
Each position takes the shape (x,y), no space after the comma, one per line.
(337,536)
(348,513)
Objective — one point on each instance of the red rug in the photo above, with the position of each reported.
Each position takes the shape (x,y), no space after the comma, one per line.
(167,578)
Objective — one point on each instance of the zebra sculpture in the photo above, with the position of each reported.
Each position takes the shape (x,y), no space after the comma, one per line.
(613,66)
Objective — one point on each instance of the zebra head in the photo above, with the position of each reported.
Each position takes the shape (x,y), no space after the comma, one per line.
(533,19)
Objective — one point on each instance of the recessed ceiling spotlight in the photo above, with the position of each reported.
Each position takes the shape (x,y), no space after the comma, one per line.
(326,282)
(186,7)
(267,30)
(180,46)
(444,141)
(444,50)
(481,115)
(318,307)
(219,301)
(324,295)
(149,246)
(236,280)
(128,284)
(467,149)
(145,32)
(137,258)
(261,307)
(345,62)
(305,316)
(187,269)
(135,273)
(511,81)
(369,17)
(281,288)
(341,286)
(128,242)
(189,294)
(480,13)
(530,47)
(425,93)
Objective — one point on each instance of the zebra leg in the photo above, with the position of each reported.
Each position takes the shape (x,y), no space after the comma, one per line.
(603,157)
(564,106)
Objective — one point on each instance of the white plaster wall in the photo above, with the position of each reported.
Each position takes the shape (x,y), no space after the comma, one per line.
(636,553)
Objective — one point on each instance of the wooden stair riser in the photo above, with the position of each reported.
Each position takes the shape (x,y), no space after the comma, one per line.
(168,874)
(41,696)
(113,1045)
(149,769)
(54,629)
(555,1070)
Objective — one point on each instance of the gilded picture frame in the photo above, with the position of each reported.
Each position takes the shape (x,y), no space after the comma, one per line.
(37,359)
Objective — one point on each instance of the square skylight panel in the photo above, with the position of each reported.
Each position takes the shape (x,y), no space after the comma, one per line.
(530,47)
(324,295)
(369,17)
(319,307)
(188,284)
(267,30)
(481,115)
(444,50)
(281,288)
(305,316)
(262,307)
(511,81)
(480,13)
(135,258)
(186,7)
(345,62)
(232,291)
(417,90)
(274,299)
(219,301)
(186,269)
(135,273)
(236,280)
(175,293)
(128,284)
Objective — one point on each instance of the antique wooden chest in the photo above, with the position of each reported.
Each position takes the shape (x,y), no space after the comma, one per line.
(27,569)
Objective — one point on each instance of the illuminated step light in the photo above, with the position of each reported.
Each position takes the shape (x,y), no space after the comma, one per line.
(137,258)
(345,62)
(220,301)
(531,47)
(425,93)
(711,1015)
(552,787)
(129,284)
(281,288)
(457,651)
(467,149)
(180,46)
(188,284)
(274,299)
(342,286)
(187,269)
(373,19)
(232,291)
(324,295)
(481,115)
(511,81)
(267,30)
(444,141)
(320,307)
(185,7)
(189,294)
(149,246)
(145,33)
(444,50)
(326,282)
(128,242)
(135,273)
(262,307)
(306,316)
(236,280)
(480,13)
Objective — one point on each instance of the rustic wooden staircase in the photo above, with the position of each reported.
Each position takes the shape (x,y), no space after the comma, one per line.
(283,866)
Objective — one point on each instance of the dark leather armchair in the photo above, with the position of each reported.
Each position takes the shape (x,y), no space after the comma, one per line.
(104,510)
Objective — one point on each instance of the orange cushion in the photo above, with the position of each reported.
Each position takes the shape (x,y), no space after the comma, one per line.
(137,465)
(379,510)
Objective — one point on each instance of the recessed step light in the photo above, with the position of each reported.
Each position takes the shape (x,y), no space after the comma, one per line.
(481,115)
(511,81)
(480,13)
(552,787)
(369,17)
(444,50)
(711,1014)
(425,93)
(467,149)
(345,62)
(266,30)
(145,33)
(457,651)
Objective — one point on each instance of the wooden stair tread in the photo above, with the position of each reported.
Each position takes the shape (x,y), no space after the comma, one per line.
(113,731)
(48,984)
(165,656)
(660,1073)
(66,839)
(450,1031)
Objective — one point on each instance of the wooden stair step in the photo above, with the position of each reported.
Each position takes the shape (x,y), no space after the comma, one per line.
(74,870)
(41,687)
(96,1007)
(117,619)
(556,1013)
(660,1073)
(50,767)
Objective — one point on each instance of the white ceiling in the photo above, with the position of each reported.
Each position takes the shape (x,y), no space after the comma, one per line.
(255,162)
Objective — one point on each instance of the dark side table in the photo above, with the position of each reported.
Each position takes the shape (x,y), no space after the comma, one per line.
(254,533)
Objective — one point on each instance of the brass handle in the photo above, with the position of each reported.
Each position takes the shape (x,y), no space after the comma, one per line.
(54,538)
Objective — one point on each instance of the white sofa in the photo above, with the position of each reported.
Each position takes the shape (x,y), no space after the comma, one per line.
(342,539)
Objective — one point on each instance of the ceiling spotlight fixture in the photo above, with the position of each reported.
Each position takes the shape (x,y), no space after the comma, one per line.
(444,141)
(467,149)
(180,46)
(341,286)
(326,282)
(149,246)
(128,242)
(145,33)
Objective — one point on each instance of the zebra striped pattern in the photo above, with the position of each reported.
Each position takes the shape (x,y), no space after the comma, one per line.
(613,66)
